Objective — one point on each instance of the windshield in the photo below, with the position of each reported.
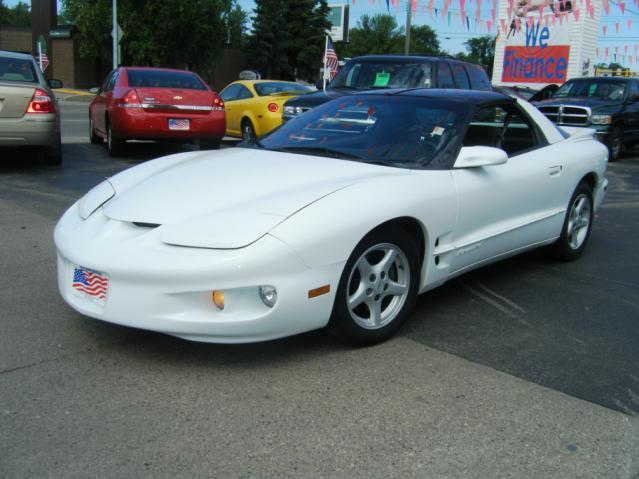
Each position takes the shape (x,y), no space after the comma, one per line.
(402,131)
(383,74)
(164,79)
(273,88)
(15,69)
(595,88)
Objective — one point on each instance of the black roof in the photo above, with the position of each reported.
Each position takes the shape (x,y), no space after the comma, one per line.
(478,97)
(407,58)
(620,79)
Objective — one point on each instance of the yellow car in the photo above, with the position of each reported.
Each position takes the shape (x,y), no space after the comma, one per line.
(254,107)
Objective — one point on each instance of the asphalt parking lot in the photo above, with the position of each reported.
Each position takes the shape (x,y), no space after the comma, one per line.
(525,368)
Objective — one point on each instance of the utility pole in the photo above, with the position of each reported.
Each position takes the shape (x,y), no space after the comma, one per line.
(409,14)
(115,34)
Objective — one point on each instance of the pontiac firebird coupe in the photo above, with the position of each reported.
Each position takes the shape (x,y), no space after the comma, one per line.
(339,218)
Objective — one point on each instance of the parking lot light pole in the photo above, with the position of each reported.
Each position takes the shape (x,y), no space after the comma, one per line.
(115,34)
(409,14)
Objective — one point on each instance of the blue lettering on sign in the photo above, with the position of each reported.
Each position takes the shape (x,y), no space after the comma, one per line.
(562,65)
(543,37)
(534,34)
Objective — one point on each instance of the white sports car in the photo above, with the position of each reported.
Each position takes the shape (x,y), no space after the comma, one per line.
(339,218)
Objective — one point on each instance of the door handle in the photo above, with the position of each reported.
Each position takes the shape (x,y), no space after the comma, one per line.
(555,170)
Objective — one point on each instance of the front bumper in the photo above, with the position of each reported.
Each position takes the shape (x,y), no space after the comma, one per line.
(168,289)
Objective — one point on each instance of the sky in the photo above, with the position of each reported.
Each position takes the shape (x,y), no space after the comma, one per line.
(452,37)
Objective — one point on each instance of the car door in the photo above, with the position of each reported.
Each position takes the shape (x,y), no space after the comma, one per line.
(99,105)
(631,112)
(245,101)
(229,95)
(508,207)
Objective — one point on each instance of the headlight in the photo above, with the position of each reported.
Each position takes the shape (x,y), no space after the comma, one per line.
(289,110)
(601,119)
(95,198)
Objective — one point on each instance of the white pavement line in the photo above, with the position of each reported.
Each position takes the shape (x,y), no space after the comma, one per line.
(499,296)
(74,139)
(494,304)
(630,204)
(624,408)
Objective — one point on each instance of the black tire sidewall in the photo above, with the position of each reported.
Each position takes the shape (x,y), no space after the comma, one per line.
(615,134)
(341,324)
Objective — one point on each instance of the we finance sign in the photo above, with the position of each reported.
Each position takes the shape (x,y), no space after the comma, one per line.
(536,52)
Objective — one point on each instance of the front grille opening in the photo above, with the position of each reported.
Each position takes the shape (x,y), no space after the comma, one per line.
(141,224)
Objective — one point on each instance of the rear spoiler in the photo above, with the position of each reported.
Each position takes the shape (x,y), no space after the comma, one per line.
(578,133)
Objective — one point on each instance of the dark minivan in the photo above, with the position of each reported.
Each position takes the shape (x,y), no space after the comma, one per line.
(393,71)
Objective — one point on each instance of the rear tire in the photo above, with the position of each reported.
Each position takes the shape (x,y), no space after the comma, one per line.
(95,139)
(377,289)
(115,146)
(575,231)
(248,132)
(53,155)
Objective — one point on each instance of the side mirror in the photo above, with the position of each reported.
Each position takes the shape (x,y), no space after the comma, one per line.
(476,156)
(95,90)
(54,83)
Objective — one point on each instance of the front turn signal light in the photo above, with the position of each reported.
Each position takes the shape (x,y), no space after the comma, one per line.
(218,299)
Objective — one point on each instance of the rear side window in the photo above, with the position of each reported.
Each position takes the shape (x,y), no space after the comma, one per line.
(230,92)
(17,69)
(244,93)
(165,79)
(444,76)
(271,88)
(478,77)
(459,74)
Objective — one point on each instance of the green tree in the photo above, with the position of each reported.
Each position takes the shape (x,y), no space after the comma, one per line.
(17,16)
(481,50)
(380,34)
(184,34)
(288,38)
(375,34)
(235,20)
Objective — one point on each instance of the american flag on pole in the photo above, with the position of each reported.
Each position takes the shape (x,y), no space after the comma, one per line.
(90,283)
(332,63)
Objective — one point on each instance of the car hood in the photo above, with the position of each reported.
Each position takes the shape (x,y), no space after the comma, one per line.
(230,198)
(317,98)
(575,101)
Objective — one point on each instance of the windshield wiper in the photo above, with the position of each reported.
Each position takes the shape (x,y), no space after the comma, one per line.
(317,150)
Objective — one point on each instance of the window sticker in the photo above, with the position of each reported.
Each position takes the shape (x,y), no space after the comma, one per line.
(437,131)
(591,89)
(381,79)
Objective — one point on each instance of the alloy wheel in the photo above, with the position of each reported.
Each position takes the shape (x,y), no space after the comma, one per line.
(378,286)
(578,221)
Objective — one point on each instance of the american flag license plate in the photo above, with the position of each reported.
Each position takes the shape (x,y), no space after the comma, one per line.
(179,124)
(90,285)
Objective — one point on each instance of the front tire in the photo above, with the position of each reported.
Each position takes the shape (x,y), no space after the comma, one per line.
(377,289)
(95,139)
(615,144)
(577,225)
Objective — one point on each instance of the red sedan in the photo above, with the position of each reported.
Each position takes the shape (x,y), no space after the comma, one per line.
(137,103)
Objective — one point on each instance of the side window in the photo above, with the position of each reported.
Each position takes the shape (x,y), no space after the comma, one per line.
(444,76)
(111,83)
(460,76)
(478,78)
(230,92)
(502,127)
(244,93)
(634,90)
(105,85)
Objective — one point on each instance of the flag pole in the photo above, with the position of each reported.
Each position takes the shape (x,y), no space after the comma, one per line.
(40,54)
(324,67)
